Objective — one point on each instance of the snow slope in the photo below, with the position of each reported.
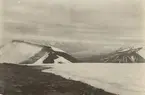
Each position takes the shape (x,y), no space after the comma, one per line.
(16,52)
(40,61)
(142,52)
(122,79)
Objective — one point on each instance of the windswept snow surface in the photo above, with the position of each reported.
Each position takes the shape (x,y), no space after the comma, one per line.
(122,79)
(17,52)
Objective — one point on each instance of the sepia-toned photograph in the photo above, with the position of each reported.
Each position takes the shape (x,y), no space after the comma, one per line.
(72,47)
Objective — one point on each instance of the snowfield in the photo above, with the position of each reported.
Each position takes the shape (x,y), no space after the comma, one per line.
(16,52)
(122,79)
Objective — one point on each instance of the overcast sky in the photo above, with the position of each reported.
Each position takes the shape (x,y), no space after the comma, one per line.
(99,21)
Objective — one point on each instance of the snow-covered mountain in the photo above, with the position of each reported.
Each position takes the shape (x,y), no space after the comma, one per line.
(23,52)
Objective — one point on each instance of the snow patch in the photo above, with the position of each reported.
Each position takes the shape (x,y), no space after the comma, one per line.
(40,61)
(61,60)
(57,49)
